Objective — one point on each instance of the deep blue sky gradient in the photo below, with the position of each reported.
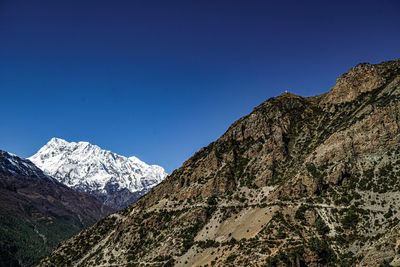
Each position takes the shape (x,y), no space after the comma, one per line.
(161,79)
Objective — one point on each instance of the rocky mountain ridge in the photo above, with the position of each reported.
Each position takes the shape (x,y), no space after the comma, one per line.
(13,165)
(300,181)
(115,180)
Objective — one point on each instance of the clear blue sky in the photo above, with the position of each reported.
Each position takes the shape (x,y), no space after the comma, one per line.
(161,79)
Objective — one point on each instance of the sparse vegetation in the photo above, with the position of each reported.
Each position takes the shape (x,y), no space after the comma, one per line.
(273,190)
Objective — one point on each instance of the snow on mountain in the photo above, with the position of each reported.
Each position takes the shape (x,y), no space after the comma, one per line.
(114,179)
(16,166)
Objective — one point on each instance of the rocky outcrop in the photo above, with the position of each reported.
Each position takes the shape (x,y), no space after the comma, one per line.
(361,79)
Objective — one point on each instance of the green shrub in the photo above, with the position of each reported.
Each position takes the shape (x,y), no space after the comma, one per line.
(321,227)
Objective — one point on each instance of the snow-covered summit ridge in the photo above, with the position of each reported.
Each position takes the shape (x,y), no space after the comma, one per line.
(89,168)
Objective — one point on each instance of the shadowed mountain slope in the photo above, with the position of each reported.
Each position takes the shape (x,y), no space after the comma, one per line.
(37,212)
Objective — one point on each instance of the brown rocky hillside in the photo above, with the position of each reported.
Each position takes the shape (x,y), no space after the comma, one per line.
(300,181)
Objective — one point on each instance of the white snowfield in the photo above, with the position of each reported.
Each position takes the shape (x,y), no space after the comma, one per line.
(87,167)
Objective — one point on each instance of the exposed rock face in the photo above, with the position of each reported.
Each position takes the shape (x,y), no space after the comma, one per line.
(37,212)
(299,181)
(362,78)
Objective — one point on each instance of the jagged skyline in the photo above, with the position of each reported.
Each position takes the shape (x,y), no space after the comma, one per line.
(160,81)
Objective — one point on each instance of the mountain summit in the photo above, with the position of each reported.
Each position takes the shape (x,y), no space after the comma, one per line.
(300,181)
(116,180)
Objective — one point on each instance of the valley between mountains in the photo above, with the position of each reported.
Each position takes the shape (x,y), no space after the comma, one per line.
(71,187)
(300,181)
(37,212)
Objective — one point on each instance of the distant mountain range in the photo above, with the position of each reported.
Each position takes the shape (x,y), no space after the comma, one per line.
(37,212)
(115,180)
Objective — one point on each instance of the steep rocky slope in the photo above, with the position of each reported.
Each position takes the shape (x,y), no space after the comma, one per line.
(37,212)
(300,181)
(115,180)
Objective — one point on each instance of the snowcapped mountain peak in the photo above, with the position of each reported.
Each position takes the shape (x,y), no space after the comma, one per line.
(136,160)
(87,167)
(56,142)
